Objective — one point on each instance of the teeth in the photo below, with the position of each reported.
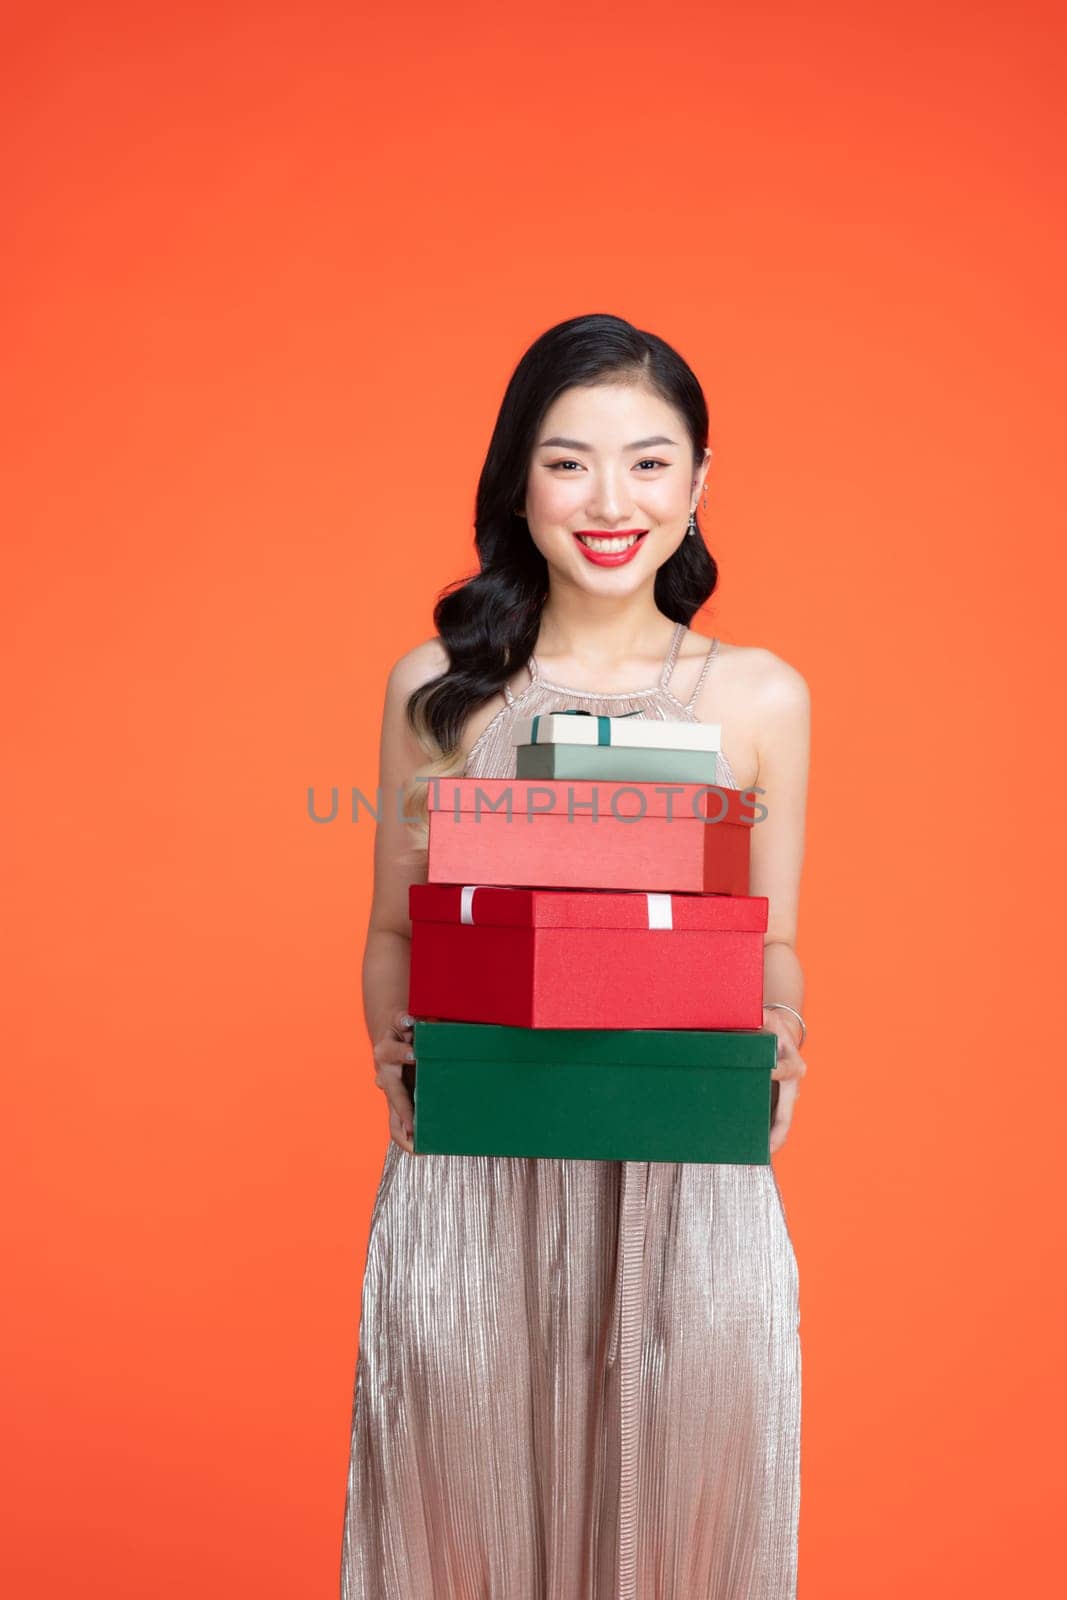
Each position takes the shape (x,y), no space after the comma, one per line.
(609,546)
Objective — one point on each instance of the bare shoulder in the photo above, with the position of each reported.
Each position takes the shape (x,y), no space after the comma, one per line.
(756,696)
(419,665)
(763,679)
(422,664)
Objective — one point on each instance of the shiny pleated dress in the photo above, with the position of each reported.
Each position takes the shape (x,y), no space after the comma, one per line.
(576,1380)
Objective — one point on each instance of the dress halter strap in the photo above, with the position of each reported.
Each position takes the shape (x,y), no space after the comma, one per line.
(680,631)
(713,651)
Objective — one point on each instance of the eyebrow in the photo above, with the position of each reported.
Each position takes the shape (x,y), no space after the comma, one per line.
(576,444)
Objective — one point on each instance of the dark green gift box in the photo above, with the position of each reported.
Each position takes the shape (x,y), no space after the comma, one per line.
(624,1094)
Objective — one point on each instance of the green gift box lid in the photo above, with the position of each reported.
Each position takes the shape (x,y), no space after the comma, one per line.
(611,1094)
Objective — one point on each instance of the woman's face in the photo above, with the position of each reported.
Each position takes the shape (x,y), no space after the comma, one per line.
(616,461)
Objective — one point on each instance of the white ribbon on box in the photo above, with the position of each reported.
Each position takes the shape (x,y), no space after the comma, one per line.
(466,900)
(660,914)
(659,911)
(466,897)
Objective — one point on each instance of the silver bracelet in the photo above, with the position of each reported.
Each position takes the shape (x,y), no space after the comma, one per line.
(778,1005)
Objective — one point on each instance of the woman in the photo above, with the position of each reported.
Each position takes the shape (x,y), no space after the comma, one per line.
(533,1418)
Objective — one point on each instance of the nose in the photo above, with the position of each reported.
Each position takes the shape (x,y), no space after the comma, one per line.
(610,501)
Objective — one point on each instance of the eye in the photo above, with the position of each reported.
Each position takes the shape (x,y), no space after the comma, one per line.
(649,461)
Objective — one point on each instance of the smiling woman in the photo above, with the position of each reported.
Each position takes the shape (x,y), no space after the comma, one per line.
(580,1379)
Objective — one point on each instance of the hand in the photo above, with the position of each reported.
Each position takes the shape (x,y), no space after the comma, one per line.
(392,1053)
(789,1070)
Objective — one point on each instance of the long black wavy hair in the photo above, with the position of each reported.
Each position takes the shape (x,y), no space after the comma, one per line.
(489,623)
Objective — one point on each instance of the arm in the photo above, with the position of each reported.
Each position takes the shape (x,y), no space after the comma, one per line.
(397,864)
(783,731)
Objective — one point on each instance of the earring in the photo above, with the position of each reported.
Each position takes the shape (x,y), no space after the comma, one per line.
(692,528)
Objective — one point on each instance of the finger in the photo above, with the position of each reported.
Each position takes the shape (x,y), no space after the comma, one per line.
(399,1051)
(407,1069)
(787,1092)
(402,1024)
(400,1103)
(390,1058)
(790,1064)
(789,1072)
(400,1132)
(783,1117)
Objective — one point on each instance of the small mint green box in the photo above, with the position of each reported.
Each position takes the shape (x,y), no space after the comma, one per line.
(626,763)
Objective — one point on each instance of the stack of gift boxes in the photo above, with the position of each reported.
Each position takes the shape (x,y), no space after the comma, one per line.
(586,960)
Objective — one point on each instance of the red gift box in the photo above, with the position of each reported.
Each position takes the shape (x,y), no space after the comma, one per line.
(568,958)
(686,838)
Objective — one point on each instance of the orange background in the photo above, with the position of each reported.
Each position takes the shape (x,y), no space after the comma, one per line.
(267,276)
